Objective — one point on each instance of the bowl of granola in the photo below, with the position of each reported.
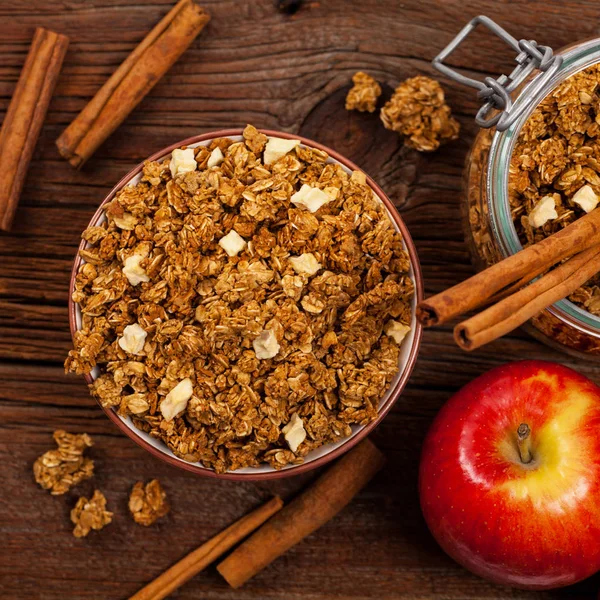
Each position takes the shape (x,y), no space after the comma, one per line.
(243,304)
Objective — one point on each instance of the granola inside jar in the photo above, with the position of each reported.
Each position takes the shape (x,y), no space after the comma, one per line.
(536,177)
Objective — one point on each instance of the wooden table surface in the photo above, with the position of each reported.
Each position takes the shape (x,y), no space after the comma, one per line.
(251,64)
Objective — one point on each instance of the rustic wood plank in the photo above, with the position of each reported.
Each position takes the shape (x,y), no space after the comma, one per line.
(251,64)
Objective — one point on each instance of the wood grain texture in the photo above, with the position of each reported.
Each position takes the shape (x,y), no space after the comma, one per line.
(252,64)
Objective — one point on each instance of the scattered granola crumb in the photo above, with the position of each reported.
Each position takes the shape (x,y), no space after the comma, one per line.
(90,514)
(59,470)
(291,324)
(277,148)
(148,503)
(418,111)
(363,96)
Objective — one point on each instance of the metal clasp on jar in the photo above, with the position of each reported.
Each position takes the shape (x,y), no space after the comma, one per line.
(496,93)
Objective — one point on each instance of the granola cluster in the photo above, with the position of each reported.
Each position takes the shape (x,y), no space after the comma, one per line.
(59,470)
(148,503)
(235,302)
(418,111)
(90,514)
(554,171)
(364,94)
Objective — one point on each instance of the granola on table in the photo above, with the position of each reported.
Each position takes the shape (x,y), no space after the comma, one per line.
(235,302)
(418,111)
(554,171)
(59,470)
(364,94)
(148,503)
(90,514)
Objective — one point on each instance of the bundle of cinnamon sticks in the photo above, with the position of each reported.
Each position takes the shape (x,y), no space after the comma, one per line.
(520,286)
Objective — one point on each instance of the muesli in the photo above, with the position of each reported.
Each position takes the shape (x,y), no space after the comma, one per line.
(245,302)
(554,171)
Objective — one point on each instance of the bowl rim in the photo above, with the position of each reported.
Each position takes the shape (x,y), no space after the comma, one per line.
(352,440)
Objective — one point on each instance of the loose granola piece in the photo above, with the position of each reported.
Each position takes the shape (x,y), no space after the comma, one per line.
(418,111)
(148,503)
(90,514)
(59,470)
(255,140)
(363,96)
(125,221)
(294,432)
(237,342)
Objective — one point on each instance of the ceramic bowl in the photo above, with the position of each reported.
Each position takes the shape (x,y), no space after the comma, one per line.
(319,456)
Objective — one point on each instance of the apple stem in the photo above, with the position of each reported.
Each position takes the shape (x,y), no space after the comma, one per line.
(524,443)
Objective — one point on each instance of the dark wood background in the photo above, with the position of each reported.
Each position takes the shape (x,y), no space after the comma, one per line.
(251,64)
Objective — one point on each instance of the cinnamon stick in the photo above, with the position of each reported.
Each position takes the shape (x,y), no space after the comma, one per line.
(128,85)
(306,513)
(512,312)
(25,116)
(524,265)
(200,558)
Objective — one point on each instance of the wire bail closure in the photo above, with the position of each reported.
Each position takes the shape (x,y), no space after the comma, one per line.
(496,92)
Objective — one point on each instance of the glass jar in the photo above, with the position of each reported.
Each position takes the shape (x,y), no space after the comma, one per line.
(489,229)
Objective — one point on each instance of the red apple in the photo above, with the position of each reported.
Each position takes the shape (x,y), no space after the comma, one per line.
(510,476)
